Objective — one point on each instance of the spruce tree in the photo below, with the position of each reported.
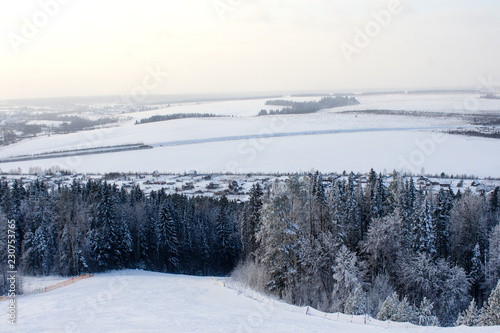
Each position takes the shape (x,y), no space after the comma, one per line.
(424,230)
(405,312)
(444,204)
(346,276)
(105,235)
(352,221)
(470,316)
(476,274)
(389,307)
(279,240)
(251,222)
(167,242)
(490,313)
(493,264)
(424,314)
(356,303)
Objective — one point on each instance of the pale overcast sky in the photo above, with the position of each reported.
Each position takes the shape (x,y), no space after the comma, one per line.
(90,47)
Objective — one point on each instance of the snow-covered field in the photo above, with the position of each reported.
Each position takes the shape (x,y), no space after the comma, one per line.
(329,141)
(139,301)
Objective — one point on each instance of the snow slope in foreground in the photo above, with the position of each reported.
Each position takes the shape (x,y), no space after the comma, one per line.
(138,301)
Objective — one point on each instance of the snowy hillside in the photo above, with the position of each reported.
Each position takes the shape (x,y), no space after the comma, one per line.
(139,301)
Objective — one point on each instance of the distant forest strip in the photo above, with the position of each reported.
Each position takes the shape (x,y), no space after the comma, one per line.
(486,118)
(291,107)
(491,96)
(428,114)
(175,116)
(476,133)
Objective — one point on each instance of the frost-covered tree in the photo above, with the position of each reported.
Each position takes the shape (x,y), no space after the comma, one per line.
(494,208)
(395,310)
(319,206)
(167,244)
(125,245)
(468,227)
(251,222)
(226,239)
(382,244)
(425,315)
(346,277)
(493,264)
(104,234)
(394,193)
(405,312)
(356,303)
(445,285)
(317,259)
(279,235)
(352,219)
(490,312)
(381,289)
(39,245)
(444,204)
(476,274)
(44,247)
(425,237)
(469,317)
(389,307)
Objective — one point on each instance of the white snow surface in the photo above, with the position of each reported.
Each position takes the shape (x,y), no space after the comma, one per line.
(232,144)
(139,301)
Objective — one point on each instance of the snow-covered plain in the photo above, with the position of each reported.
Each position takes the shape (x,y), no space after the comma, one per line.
(232,143)
(139,301)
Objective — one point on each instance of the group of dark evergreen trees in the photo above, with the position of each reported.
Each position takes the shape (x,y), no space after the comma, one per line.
(291,107)
(175,116)
(97,227)
(395,252)
(379,247)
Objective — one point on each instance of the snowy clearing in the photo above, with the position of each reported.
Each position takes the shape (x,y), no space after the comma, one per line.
(139,301)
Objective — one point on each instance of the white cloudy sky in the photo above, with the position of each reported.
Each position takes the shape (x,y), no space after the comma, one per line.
(92,47)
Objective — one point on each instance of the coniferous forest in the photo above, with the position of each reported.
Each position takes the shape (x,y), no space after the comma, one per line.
(383,248)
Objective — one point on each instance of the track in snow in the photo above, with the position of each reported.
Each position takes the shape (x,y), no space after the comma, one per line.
(300,133)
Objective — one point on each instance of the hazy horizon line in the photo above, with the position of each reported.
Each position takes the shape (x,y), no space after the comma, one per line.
(153,98)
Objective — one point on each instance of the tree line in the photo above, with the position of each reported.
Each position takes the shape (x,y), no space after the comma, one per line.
(291,107)
(97,227)
(175,116)
(395,252)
